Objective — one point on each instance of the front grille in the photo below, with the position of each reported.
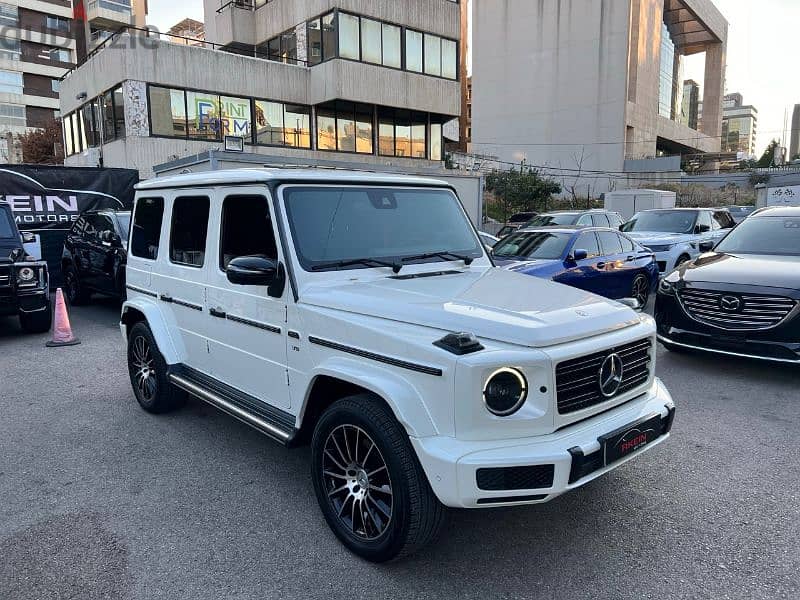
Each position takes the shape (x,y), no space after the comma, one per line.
(735,312)
(578,380)
(515,478)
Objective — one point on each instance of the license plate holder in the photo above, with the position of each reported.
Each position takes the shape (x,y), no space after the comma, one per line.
(628,439)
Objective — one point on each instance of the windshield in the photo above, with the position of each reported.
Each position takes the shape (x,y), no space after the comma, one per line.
(334,224)
(764,235)
(7,229)
(666,221)
(556,219)
(532,244)
(124,219)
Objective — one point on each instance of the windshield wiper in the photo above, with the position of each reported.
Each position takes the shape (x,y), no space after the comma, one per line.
(444,254)
(369,262)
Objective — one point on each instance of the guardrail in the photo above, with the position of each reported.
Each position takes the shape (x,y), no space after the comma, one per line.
(154,34)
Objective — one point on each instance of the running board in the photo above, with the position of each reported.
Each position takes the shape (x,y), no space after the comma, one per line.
(270,421)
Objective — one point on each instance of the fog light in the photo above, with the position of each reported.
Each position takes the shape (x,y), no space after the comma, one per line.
(505,392)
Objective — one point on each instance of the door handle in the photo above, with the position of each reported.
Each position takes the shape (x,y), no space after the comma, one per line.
(217,312)
(601,265)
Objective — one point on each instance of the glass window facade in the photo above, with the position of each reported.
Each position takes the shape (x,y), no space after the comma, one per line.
(345,127)
(9,48)
(167,112)
(282,48)
(349,46)
(11,82)
(413,51)
(666,86)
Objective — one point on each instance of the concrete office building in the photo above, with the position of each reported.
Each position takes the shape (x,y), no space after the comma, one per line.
(559,80)
(367,83)
(794,144)
(739,126)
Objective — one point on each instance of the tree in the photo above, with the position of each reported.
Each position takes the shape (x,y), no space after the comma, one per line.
(43,146)
(768,158)
(520,190)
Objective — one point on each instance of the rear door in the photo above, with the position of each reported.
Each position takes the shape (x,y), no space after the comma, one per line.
(247,326)
(180,277)
(616,268)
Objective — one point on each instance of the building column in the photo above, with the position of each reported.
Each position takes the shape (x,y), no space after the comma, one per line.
(714,90)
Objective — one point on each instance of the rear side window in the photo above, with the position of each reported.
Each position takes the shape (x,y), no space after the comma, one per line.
(614,220)
(724,219)
(146,230)
(246,229)
(627,245)
(600,220)
(187,240)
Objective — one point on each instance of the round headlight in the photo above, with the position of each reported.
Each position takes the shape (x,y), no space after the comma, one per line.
(666,287)
(26,274)
(505,392)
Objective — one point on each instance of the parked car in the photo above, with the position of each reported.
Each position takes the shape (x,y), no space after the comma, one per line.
(743,298)
(740,213)
(24,282)
(488,240)
(677,235)
(421,374)
(515,221)
(94,256)
(599,260)
(582,218)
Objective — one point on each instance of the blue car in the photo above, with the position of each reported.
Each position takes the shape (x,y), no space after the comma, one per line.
(596,259)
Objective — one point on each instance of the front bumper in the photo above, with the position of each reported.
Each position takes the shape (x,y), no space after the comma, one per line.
(572,455)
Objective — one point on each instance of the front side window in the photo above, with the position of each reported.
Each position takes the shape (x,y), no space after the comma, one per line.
(331,224)
(246,229)
(532,245)
(764,235)
(588,241)
(146,230)
(609,242)
(187,240)
(663,221)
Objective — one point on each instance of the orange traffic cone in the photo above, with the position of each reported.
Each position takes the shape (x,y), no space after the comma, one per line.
(62,330)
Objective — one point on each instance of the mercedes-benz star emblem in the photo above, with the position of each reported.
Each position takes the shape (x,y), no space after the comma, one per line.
(610,375)
(730,303)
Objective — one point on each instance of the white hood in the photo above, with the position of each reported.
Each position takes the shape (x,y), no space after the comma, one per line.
(492,303)
(659,238)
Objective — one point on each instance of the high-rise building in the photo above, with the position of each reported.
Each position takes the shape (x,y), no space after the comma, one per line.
(40,40)
(690,104)
(364,83)
(601,81)
(739,126)
(188,32)
(794,144)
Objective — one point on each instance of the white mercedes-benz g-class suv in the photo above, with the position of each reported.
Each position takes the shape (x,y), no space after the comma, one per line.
(361,313)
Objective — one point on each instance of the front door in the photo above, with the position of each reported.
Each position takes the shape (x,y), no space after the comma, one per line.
(247,327)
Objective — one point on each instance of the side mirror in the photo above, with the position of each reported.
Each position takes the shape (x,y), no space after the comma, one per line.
(579,254)
(702,229)
(706,246)
(257,270)
(28,237)
(110,238)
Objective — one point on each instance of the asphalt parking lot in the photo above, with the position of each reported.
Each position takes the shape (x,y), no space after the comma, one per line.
(99,499)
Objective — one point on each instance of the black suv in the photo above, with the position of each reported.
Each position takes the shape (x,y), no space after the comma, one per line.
(95,254)
(24,282)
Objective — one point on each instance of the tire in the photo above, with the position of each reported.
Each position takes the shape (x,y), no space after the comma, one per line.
(76,293)
(148,373)
(640,289)
(682,259)
(398,511)
(37,322)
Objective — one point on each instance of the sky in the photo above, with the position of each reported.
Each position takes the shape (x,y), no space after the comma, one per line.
(761,61)
(166,13)
(762,54)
